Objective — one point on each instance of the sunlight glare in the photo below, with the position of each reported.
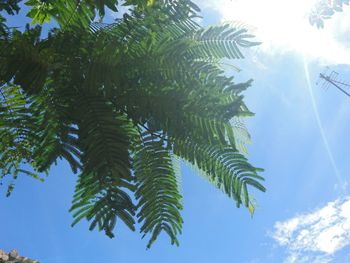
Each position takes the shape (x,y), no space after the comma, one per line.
(340,181)
(283,25)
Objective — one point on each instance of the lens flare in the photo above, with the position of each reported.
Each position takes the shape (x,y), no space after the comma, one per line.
(338,176)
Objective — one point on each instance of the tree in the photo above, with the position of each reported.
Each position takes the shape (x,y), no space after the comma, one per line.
(325,9)
(121,103)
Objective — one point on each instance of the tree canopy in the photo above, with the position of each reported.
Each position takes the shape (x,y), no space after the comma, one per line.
(122,103)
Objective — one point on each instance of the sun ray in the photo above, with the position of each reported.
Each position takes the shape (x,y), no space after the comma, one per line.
(338,176)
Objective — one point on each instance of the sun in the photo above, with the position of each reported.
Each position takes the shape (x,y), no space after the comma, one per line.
(282,21)
(283,25)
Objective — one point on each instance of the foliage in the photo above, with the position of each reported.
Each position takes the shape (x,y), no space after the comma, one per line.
(118,102)
(10,6)
(325,9)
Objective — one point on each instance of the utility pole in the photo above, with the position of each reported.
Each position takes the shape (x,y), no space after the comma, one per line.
(331,79)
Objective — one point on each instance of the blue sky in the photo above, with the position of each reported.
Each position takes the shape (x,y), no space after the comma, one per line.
(299,135)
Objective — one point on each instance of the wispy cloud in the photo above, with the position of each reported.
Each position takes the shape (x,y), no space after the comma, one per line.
(316,236)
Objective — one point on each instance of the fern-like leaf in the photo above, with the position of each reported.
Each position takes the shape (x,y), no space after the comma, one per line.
(104,138)
(159,199)
(222,42)
(225,167)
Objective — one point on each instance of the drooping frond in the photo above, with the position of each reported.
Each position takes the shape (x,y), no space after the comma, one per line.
(15,140)
(225,167)
(102,202)
(240,134)
(104,138)
(54,134)
(159,199)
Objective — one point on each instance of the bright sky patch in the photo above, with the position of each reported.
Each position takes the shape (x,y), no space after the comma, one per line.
(283,25)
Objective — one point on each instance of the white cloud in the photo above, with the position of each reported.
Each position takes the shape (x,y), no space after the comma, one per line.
(316,236)
(282,26)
